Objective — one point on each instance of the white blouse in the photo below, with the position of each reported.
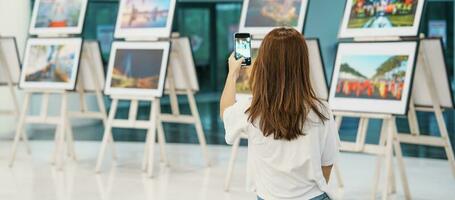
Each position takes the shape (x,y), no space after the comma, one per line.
(281,169)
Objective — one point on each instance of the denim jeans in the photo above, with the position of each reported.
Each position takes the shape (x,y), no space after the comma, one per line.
(323,196)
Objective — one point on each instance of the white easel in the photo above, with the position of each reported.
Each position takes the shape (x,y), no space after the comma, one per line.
(90,81)
(188,89)
(60,121)
(384,150)
(155,121)
(11,82)
(63,133)
(388,143)
(150,125)
(425,69)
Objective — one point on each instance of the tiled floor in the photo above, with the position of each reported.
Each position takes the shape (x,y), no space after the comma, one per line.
(33,177)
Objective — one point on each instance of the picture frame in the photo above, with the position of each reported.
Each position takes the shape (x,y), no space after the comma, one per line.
(144,28)
(381,19)
(51,63)
(433,49)
(258,22)
(183,66)
(70,19)
(10,52)
(373,77)
(133,75)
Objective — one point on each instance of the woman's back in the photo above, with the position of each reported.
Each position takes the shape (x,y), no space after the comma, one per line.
(281,169)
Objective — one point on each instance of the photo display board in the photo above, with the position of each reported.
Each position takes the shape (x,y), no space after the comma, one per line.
(51,63)
(137,68)
(145,18)
(317,70)
(58,17)
(8,47)
(380,18)
(182,63)
(434,55)
(373,77)
(259,17)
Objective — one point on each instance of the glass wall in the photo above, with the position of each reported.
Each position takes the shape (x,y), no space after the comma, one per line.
(210,26)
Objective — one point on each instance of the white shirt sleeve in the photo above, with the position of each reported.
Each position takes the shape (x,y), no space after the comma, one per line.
(330,148)
(235,121)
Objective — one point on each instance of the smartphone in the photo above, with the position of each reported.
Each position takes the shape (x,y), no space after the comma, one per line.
(243,47)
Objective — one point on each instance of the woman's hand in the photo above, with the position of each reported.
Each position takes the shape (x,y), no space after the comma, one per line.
(234,66)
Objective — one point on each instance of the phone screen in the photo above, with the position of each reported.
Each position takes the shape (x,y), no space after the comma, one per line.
(243,47)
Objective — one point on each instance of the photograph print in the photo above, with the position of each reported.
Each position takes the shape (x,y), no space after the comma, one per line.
(365,18)
(260,16)
(51,64)
(373,77)
(145,18)
(137,68)
(58,16)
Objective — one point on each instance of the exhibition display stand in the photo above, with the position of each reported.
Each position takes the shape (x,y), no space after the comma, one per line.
(436,96)
(388,143)
(424,82)
(63,133)
(90,82)
(185,84)
(60,121)
(6,78)
(154,124)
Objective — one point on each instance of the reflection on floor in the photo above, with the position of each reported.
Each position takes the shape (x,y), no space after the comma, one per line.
(34,178)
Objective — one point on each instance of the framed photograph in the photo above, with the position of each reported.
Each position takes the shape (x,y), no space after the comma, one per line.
(51,64)
(381,18)
(145,18)
(137,68)
(317,70)
(259,17)
(53,17)
(433,49)
(373,77)
(182,62)
(9,60)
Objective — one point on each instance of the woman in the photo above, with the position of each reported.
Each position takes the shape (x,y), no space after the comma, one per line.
(292,137)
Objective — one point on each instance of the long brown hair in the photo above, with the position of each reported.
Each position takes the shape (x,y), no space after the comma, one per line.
(281,87)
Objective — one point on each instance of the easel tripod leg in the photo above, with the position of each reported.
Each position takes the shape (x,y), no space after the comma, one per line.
(199,129)
(401,167)
(107,134)
(445,136)
(162,143)
(25,139)
(377,174)
(102,108)
(235,149)
(152,134)
(62,130)
(19,128)
(70,141)
(146,152)
(388,154)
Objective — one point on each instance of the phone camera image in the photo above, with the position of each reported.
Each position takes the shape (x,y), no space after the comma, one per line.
(243,49)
